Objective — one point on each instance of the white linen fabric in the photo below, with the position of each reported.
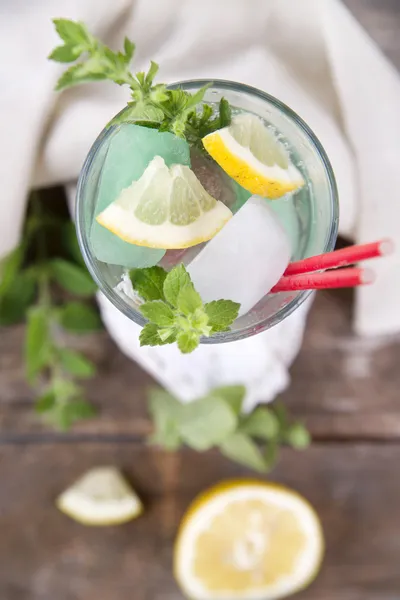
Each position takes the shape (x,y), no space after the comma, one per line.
(312,54)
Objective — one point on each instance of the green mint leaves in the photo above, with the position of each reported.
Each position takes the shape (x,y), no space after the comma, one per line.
(152,105)
(215,421)
(101,62)
(50,293)
(175,311)
(201,124)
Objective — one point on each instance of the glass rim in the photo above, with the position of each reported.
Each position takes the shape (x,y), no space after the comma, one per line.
(292,305)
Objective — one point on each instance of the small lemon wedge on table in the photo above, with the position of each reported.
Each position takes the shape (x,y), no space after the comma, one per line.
(100,497)
(166,208)
(249,152)
(247,540)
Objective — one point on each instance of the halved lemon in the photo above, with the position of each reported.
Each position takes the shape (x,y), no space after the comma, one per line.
(247,540)
(166,208)
(249,152)
(100,497)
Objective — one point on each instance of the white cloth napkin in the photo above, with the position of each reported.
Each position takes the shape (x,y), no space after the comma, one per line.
(312,54)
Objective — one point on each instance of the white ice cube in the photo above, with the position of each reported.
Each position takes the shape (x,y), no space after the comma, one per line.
(245,259)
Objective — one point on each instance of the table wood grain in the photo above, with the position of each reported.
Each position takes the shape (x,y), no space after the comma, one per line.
(44,555)
(345,389)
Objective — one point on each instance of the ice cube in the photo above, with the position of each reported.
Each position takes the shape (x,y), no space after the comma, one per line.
(131,150)
(288,215)
(245,259)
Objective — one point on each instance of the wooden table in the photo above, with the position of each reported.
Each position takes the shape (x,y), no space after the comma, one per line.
(345,389)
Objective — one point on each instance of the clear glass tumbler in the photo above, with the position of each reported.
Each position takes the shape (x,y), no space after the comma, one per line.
(310,216)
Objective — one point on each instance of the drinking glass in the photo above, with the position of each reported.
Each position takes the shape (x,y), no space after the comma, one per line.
(310,216)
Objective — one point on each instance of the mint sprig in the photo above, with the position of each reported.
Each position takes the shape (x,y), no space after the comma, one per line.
(216,421)
(151,105)
(30,290)
(200,124)
(175,310)
(100,62)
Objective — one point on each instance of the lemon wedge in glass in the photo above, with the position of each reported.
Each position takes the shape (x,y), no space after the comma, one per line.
(166,208)
(249,152)
(100,497)
(247,540)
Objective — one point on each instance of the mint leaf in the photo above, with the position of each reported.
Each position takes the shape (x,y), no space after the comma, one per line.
(149,336)
(65,389)
(206,422)
(65,54)
(74,410)
(206,114)
(154,105)
(16,299)
(149,282)
(129,48)
(79,318)
(37,341)
(221,313)
(140,110)
(271,454)
(174,282)
(261,423)
(72,278)
(199,322)
(298,436)
(225,113)
(178,290)
(232,395)
(158,93)
(187,341)
(241,448)
(188,299)
(151,73)
(167,334)
(281,415)
(70,243)
(76,364)
(165,411)
(178,109)
(80,409)
(91,70)
(200,125)
(45,402)
(72,32)
(9,267)
(197,97)
(158,312)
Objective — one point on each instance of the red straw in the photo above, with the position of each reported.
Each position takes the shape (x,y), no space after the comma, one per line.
(341,258)
(320,281)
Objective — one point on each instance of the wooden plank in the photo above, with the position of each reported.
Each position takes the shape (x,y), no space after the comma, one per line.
(344,387)
(44,555)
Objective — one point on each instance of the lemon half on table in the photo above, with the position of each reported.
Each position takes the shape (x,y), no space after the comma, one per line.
(166,208)
(247,540)
(249,152)
(100,497)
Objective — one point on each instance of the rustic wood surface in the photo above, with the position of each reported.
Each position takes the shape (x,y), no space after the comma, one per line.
(45,556)
(344,388)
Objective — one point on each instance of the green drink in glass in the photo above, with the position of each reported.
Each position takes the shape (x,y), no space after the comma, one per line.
(194,198)
(309,216)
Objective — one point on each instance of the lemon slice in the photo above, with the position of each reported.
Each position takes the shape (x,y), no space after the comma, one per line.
(166,208)
(100,497)
(247,540)
(251,155)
